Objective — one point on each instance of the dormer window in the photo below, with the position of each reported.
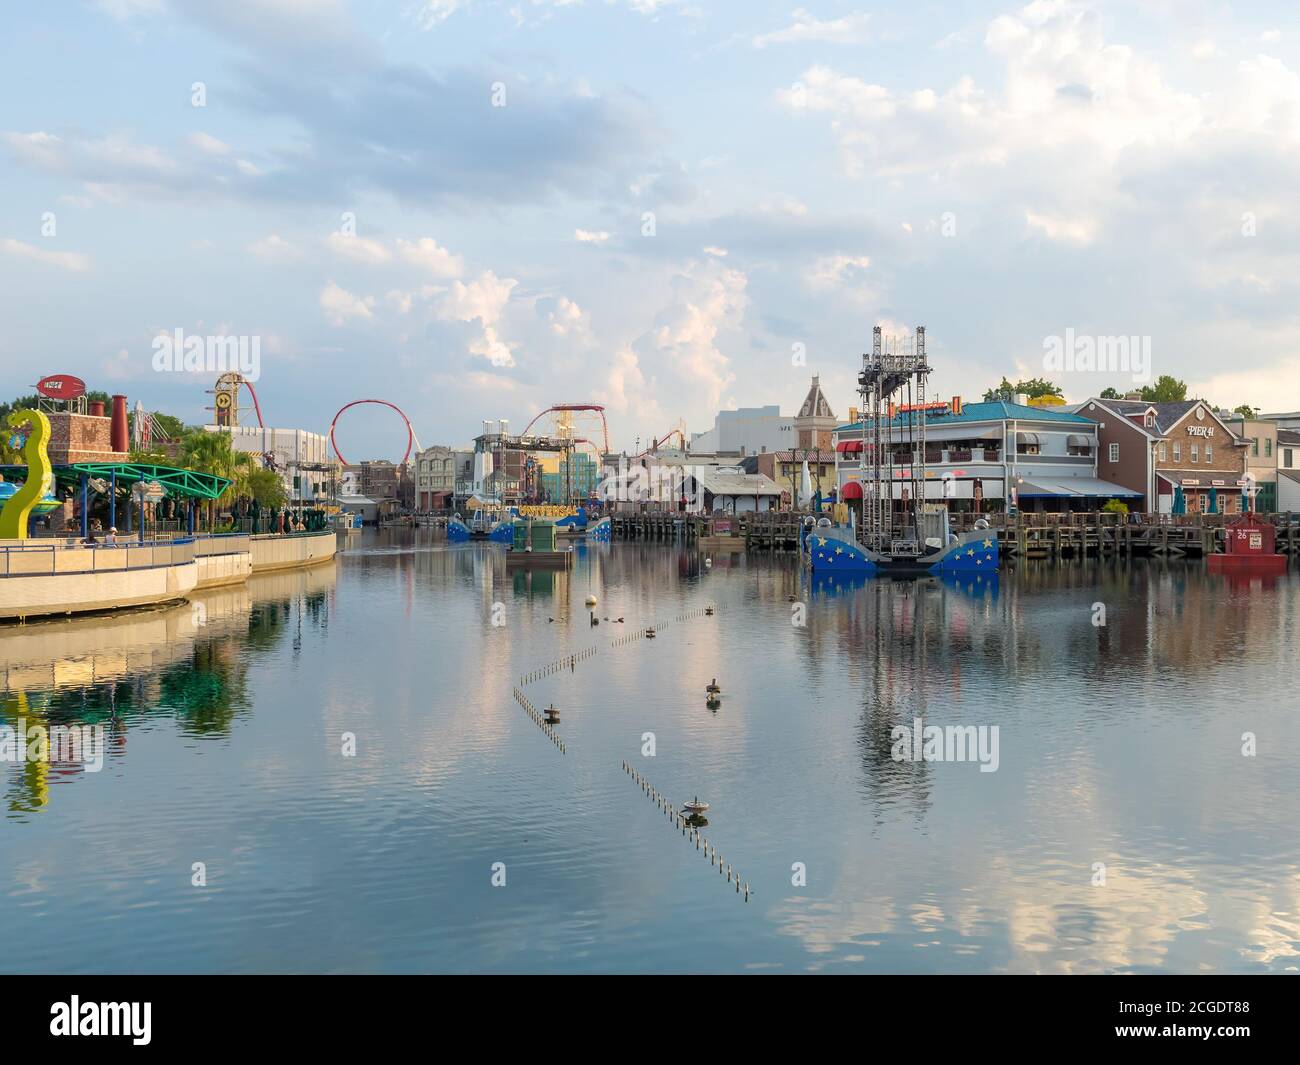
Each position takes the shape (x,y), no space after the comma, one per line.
(1150,420)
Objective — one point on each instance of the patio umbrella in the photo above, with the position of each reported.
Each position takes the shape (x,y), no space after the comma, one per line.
(1180,501)
(1214,501)
(805,485)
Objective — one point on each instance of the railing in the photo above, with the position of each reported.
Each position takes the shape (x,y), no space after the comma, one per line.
(29,559)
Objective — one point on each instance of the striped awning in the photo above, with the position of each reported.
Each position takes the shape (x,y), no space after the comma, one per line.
(849,447)
(1027,438)
(1078,440)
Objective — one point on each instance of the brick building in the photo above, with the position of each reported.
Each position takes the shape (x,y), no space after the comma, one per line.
(1158,448)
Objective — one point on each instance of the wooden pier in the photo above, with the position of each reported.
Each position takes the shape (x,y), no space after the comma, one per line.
(1025,535)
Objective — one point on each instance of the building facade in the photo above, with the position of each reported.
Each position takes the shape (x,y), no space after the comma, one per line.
(987,456)
(1179,456)
(304,460)
(746,431)
(435,478)
(1260,436)
(815,423)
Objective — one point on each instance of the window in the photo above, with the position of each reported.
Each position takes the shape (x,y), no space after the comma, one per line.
(1196,452)
(1209,453)
(1254,446)
(1268,447)
(1114,452)
(1286,455)
(1163,454)
(1178,451)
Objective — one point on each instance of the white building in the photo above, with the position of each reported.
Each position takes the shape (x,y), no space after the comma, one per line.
(304,460)
(1033,458)
(746,431)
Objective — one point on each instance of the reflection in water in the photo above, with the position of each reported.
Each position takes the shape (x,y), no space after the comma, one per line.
(188,661)
(1120,747)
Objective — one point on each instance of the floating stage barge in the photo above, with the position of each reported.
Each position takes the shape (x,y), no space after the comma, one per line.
(900,532)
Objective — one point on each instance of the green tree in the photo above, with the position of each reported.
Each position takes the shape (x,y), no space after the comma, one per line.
(1165,390)
(1110,393)
(1034,388)
(1246,411)
(267,489)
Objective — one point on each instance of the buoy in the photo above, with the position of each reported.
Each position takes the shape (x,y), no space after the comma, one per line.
(552,714)
(712,687)
(591,600)
(695,806)
(708,562)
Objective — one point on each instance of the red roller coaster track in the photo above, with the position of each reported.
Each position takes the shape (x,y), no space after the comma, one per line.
(596,407)
(410,432)
(257,407)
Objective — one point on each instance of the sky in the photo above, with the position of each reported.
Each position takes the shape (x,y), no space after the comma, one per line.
(478,208)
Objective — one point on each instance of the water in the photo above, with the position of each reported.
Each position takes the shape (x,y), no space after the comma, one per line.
(1118,744)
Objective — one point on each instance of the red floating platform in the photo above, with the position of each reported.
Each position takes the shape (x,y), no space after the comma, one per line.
(1263,565)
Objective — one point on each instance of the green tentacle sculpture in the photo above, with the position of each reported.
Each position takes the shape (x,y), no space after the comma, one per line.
(40,475)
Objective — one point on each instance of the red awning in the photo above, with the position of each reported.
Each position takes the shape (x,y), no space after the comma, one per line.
(849,447)
(852,490)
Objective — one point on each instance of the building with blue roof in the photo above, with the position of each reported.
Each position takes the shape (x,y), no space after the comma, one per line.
(986,456)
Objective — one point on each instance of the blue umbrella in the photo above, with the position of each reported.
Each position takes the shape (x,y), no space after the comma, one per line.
(1180,502)
(1214,501)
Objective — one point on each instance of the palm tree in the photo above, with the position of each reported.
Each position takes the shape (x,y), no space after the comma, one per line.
(210,453)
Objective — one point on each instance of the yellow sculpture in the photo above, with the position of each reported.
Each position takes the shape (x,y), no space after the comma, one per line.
(40,475)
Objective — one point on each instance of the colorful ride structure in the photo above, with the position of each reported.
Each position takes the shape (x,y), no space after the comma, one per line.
(35,491)
(412,442)
(901,532)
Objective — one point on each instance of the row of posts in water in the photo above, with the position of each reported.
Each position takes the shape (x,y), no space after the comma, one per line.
(687,829)
(540,721)
(569,662)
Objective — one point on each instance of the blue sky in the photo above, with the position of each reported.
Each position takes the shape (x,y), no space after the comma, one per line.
(1000,173)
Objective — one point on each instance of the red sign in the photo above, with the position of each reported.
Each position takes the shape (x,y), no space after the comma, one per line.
(61,386)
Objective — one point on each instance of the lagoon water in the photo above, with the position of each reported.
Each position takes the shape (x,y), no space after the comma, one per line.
(1123,829)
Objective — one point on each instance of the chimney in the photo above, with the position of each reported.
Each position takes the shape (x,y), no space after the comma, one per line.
(118,434)
(956,404)
(1022,399)
(96,408)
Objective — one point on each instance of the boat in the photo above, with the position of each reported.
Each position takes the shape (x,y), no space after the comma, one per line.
(902,532)
(482,525)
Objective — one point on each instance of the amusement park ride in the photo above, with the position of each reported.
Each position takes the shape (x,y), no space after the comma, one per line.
(900,532)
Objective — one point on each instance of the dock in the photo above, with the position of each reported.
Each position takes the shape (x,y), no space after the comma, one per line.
(1079,534)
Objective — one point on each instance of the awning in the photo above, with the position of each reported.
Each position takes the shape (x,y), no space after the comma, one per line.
(1027,438)
(1078,440)
(1230,483)
(1075,488)
(849,447)
(851,490)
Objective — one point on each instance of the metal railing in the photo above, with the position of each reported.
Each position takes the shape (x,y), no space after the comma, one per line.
(49,558)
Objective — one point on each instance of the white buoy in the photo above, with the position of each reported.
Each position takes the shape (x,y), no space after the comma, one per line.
(591,600)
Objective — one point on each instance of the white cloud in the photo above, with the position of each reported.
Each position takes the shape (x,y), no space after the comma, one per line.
(850,29)
(587,236)
(1068,230)
(483,300)
(273,248)
(359,249)
(76,262)
(833,270)
(340,306)
(432,258)
(209,145)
